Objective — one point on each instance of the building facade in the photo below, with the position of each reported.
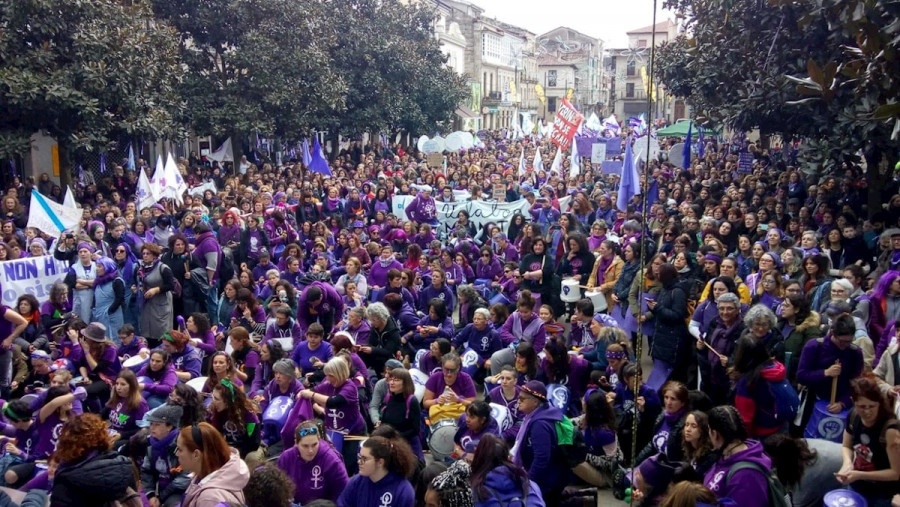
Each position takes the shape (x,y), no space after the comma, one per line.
(570,64)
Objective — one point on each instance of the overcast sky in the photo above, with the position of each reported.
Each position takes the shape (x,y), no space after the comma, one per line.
(605,20)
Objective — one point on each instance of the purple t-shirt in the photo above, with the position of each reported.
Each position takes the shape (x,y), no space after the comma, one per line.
(347,417)
(123,420)
(46,435)
(463,386)
(302,355)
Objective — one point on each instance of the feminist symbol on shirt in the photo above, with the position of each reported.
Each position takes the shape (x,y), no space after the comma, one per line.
(316,477)
(335,416)
(386,500)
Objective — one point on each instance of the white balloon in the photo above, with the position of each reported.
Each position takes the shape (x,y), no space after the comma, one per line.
(441,142)
(676,157)
(454,142)
(640,148)
(421,143)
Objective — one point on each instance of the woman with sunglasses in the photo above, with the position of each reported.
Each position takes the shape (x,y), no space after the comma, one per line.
(234,416)
(219,473)
(384,466)
(314,465)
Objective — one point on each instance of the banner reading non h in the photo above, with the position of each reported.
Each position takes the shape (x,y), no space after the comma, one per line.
(565,124)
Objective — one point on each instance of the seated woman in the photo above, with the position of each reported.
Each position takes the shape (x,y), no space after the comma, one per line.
(269,354)
(667,432)
(497,478)
(336,399)
(401,410)
(99,364)
(221,367)
(742,467)
(645,408)
(523,325)
(314,466)
(162,477)
(481,338)
(185,358)
(866,468)
(384,468)
(431,361)
(473,425)
(696,445)
(448,391)
(233,415)
(435,324)
(618,354)
(560,368)
(312,353)
(284,383)
(598,424)
(244,354)
(507,395)
(157,378)
(125,408)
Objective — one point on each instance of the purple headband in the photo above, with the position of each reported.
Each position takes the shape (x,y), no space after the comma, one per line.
(606,320)
(612,354)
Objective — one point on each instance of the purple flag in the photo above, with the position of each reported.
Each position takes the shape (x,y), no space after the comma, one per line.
(103,163)
(629,184)
(318,164)
(305,155)
(686,151)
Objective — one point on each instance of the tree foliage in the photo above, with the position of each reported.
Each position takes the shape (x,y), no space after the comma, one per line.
(825,71)
(85,71)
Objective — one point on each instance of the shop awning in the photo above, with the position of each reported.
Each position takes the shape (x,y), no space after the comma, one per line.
(465,113)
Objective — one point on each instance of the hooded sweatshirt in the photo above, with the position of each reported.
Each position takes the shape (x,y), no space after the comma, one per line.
(77,483)
(391,491)
(504,487)
(322,478)
(757,404)
(224,485)
(538,452)
(751,486)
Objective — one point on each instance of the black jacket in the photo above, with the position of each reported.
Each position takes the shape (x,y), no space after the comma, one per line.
(674,448)
(98,480)
(385,345)
(670,330)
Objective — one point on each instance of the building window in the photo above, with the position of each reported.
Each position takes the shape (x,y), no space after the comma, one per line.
(629,69)
(551,78)
(629,90)
(484,84)
(642,43)
(491,45)
(551,104)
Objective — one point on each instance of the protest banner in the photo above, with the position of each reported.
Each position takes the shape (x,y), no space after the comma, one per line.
(435,160)
(200,189)
(31,275)
(614,147)
(745,163)
(479,212)
(598,153)
(565,125)
(611,167)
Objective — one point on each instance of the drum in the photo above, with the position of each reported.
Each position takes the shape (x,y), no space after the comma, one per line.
(499,298)
(470,362)
(197,383)
(419,379)
(571,293)
(441,439)
(144,380)
(558,396)
(825,425)
(598,299)
(277,411)
(420,354)
(483,281)
(135,363)
(844,498)
(228,348)
(287,344)
(337,439)
(501,414)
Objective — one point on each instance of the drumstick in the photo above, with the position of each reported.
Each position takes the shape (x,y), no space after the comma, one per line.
(714,351)
(833,389)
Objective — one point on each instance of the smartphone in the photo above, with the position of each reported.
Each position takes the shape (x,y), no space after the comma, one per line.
(764,227)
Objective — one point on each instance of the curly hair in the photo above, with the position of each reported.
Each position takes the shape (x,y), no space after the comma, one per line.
(81,435)
(269,486)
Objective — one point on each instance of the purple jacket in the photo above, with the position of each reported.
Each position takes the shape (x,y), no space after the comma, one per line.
(161,383)
(516,330)
(468,439)
(537,451)
(490,271)
(323,478)
(379,270)
(208,253)
(362,491)
(422,210)
(274,231)
(748,484)
(346,416)
(229,234)
(445,330)
(207,343)
(484,343)
(331,302)
(428,293)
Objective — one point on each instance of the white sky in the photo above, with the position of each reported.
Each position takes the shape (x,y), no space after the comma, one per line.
(607,20)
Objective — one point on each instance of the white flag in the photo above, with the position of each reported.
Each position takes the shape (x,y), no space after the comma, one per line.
(556,165)
(145,195)
(538,163)
(69,201)
(574,168)
(157,181)
(52,217)
(174,184)
(522,162)
(223,153)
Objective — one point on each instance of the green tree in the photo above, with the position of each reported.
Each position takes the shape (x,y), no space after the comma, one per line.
(395,72)
(255,65)
(85,72)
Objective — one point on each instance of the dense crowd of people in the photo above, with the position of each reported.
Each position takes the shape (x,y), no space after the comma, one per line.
(294,338)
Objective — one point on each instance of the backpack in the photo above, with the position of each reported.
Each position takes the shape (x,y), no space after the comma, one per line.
(778,496)
(570,442)
(787,401)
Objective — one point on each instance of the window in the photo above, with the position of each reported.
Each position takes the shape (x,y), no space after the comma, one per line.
(629,90)
(551,78)
(551,104)
(642,43)
(629,69)
(491,45)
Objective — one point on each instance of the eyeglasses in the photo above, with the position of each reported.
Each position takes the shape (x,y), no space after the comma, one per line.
(450,371)
(120,251)
(363,459)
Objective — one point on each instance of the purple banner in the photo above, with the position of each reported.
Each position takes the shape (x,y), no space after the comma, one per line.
(612,167)
(745,162)
(613,147)
(584,145)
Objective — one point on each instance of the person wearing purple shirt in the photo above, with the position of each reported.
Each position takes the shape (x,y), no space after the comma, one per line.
(382,476)
(479,336)
(262,267)
(314,466)
(283,327)
(339,398)
(100,365)
(505,250)
(18,423)
(200,331)
(473,424)
(313,352)
(436,324)
(522,325)
(131,345)
(247,313)
(422,208)
(729,436)
(450,385)
(438,289)
(817,360)
(185,358)
(488,266)
(558,367)
(455,274)
(230,230)
(157,378)
(382,266)
(394,286)
(126,407)
(48,423)
(284,383)
(357,326)
(319,302)
(507,395)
